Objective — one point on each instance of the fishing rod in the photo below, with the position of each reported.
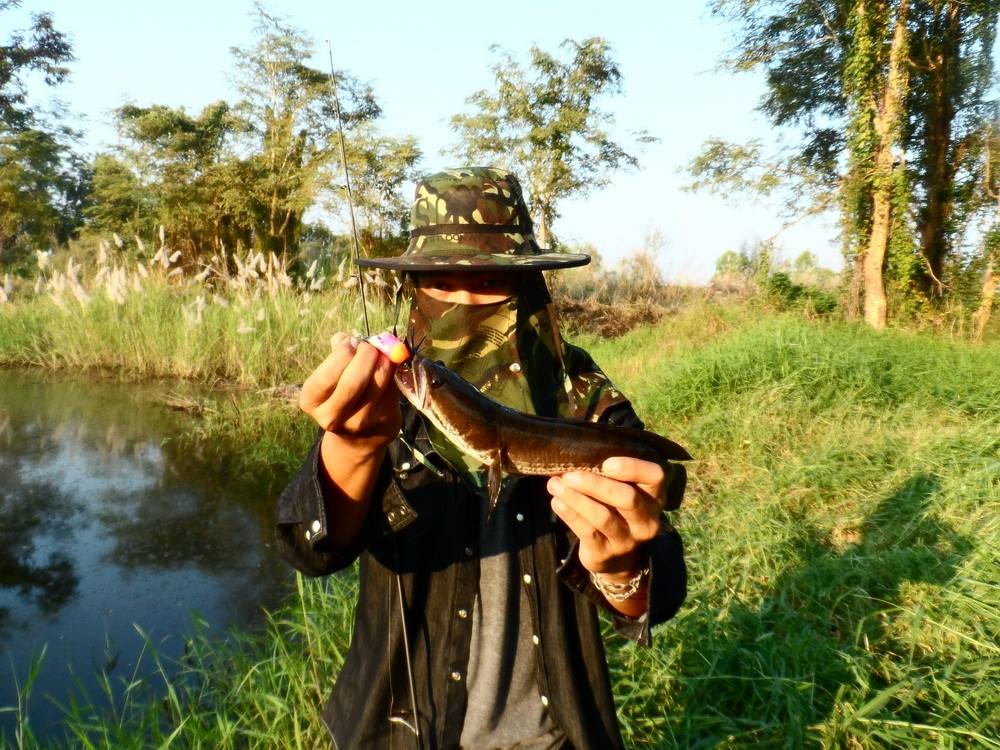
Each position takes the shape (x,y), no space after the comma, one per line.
(415,726)
(347,182)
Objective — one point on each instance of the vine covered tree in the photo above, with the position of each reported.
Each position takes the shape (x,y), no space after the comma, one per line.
(547,119)
(887,98)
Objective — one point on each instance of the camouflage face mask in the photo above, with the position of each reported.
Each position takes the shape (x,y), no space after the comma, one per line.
(511,351)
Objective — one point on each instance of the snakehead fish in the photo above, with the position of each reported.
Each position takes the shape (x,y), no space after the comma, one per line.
(509,442)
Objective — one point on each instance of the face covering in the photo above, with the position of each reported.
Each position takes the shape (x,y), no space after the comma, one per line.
(511,351)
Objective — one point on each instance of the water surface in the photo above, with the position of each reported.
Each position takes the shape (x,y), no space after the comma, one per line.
(108,525)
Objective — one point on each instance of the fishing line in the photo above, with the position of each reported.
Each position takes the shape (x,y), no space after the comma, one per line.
(415,727)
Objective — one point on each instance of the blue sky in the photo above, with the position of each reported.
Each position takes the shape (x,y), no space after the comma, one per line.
(424,59)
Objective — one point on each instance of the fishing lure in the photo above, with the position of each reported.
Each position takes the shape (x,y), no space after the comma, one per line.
(391,346)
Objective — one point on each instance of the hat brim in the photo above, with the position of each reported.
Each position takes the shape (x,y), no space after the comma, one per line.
(478,262)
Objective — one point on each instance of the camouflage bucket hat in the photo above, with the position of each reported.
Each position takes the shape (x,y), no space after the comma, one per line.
(469,219)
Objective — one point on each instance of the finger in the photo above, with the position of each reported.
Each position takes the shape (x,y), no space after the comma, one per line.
(584,531)
(634,470)
(322,381)
(629,499)
(639,511)
(351,386)
(385,369)
(600,516)
(338,337)
(381,393)
(648,475)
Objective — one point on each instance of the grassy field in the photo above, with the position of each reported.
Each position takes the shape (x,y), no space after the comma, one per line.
(842,528)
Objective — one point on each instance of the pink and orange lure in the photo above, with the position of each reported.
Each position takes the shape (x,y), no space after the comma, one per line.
(391,346)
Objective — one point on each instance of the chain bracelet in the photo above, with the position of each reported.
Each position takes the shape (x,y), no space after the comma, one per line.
(619,592)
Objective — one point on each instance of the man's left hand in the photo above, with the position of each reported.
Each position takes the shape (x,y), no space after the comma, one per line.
(612,513)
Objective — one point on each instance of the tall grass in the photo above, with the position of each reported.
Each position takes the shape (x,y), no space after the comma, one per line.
(842,525)
(238,320)
(251,690)
(843,531)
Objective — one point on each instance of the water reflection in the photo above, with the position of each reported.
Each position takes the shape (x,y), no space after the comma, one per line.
(106,524)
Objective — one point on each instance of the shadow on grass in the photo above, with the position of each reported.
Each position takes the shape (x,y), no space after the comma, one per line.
(765,675)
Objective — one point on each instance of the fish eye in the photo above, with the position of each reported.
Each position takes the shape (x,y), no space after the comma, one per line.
(436,379)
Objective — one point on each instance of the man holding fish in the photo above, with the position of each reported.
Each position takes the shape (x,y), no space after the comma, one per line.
(509,494)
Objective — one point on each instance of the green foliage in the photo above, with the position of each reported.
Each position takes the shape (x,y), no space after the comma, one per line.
(242,175)
(904,264)
(546,121)
(43,52)
(785,294)
(39,192)
(41,181)
(730,262)
(379,167)
(289,117)
(118,201)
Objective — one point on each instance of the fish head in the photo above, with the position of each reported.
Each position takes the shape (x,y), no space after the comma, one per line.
(418,378)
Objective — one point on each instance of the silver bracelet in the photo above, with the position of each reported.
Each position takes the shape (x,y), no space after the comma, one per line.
(619,592)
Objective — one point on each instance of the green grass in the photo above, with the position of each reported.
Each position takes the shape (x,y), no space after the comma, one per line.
(843,536)
(842,526)
(253,341)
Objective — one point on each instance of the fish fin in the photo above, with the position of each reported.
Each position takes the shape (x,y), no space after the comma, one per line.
(495,482)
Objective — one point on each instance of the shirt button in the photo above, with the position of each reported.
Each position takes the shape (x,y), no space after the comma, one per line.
(545,700)
(519,516)
(527,578)
(534,639)
(316,526)
(463,613)
(515,367)
(468,551)
(456,676)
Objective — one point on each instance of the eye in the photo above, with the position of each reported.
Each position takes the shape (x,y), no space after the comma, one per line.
(444,285)
(436,379)
(492,283)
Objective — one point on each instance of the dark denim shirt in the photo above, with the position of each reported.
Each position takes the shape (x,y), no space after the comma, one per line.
(426,529)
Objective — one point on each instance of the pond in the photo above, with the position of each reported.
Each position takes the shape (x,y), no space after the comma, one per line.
(108,526)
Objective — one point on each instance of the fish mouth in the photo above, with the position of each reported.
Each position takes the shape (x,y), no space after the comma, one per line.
(411,379)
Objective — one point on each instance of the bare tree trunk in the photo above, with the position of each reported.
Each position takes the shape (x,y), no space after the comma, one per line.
(991,282)
(887,121)
(542,228)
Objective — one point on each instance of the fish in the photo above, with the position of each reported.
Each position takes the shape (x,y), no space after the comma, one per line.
(511,443)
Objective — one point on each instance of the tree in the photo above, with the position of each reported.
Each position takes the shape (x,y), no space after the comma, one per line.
(241,175)
(990,196)
(40,178)
(118,201)
(953,70)
(873,88)
(379,167)
(546,123)
(184,162)
(41,49)
(291,127)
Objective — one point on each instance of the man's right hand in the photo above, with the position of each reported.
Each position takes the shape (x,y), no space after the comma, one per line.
(352,394)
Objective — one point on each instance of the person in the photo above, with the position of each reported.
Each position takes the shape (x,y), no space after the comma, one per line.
(474,631)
